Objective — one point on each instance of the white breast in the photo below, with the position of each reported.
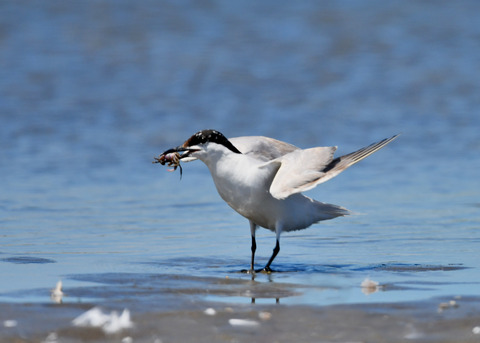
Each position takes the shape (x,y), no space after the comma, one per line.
(244,187)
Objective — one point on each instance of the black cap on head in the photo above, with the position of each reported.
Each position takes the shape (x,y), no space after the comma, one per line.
(214,136)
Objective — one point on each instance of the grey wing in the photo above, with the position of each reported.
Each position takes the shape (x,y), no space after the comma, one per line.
(303,170)
(299,170)
(262,148)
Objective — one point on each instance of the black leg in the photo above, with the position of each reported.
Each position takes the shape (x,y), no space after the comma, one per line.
(252,263)
(275,253)
(254,248)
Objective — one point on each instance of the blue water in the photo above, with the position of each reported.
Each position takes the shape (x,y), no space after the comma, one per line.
(91,91)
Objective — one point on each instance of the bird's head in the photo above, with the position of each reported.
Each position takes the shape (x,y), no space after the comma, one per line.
(199,146)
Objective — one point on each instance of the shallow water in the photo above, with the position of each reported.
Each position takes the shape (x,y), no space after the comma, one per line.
(84,108)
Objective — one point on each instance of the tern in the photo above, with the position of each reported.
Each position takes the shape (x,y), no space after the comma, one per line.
(262,179)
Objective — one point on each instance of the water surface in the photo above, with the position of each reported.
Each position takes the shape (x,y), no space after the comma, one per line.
(91,91)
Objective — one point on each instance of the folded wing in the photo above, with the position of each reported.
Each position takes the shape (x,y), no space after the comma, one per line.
(301,170)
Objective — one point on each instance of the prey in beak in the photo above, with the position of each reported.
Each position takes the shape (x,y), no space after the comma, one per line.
(172,157)
(197,142)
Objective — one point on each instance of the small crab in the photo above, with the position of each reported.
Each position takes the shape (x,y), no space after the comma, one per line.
(171,158)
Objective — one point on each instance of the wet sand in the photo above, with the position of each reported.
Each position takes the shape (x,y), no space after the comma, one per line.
(168,308)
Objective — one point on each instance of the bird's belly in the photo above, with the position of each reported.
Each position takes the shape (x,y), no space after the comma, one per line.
(261,210)
(257,204)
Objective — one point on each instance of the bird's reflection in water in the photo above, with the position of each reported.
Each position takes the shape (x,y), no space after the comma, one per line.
(277,300)
(270,280)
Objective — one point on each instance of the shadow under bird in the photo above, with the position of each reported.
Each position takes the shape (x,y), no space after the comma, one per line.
(262,179)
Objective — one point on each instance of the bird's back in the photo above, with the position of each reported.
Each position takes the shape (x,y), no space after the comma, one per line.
(262,148)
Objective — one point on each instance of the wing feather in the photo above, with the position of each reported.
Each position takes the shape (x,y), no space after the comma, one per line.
(299,169)
(302,170)
(343,162)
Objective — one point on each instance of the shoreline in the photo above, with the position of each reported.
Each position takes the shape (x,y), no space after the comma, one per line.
(176,309)
(418,321)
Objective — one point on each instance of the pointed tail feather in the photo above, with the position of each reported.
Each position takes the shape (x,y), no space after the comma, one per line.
(329,211)
(341,163)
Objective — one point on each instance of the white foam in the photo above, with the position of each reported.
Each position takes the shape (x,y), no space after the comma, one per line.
(109,322)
